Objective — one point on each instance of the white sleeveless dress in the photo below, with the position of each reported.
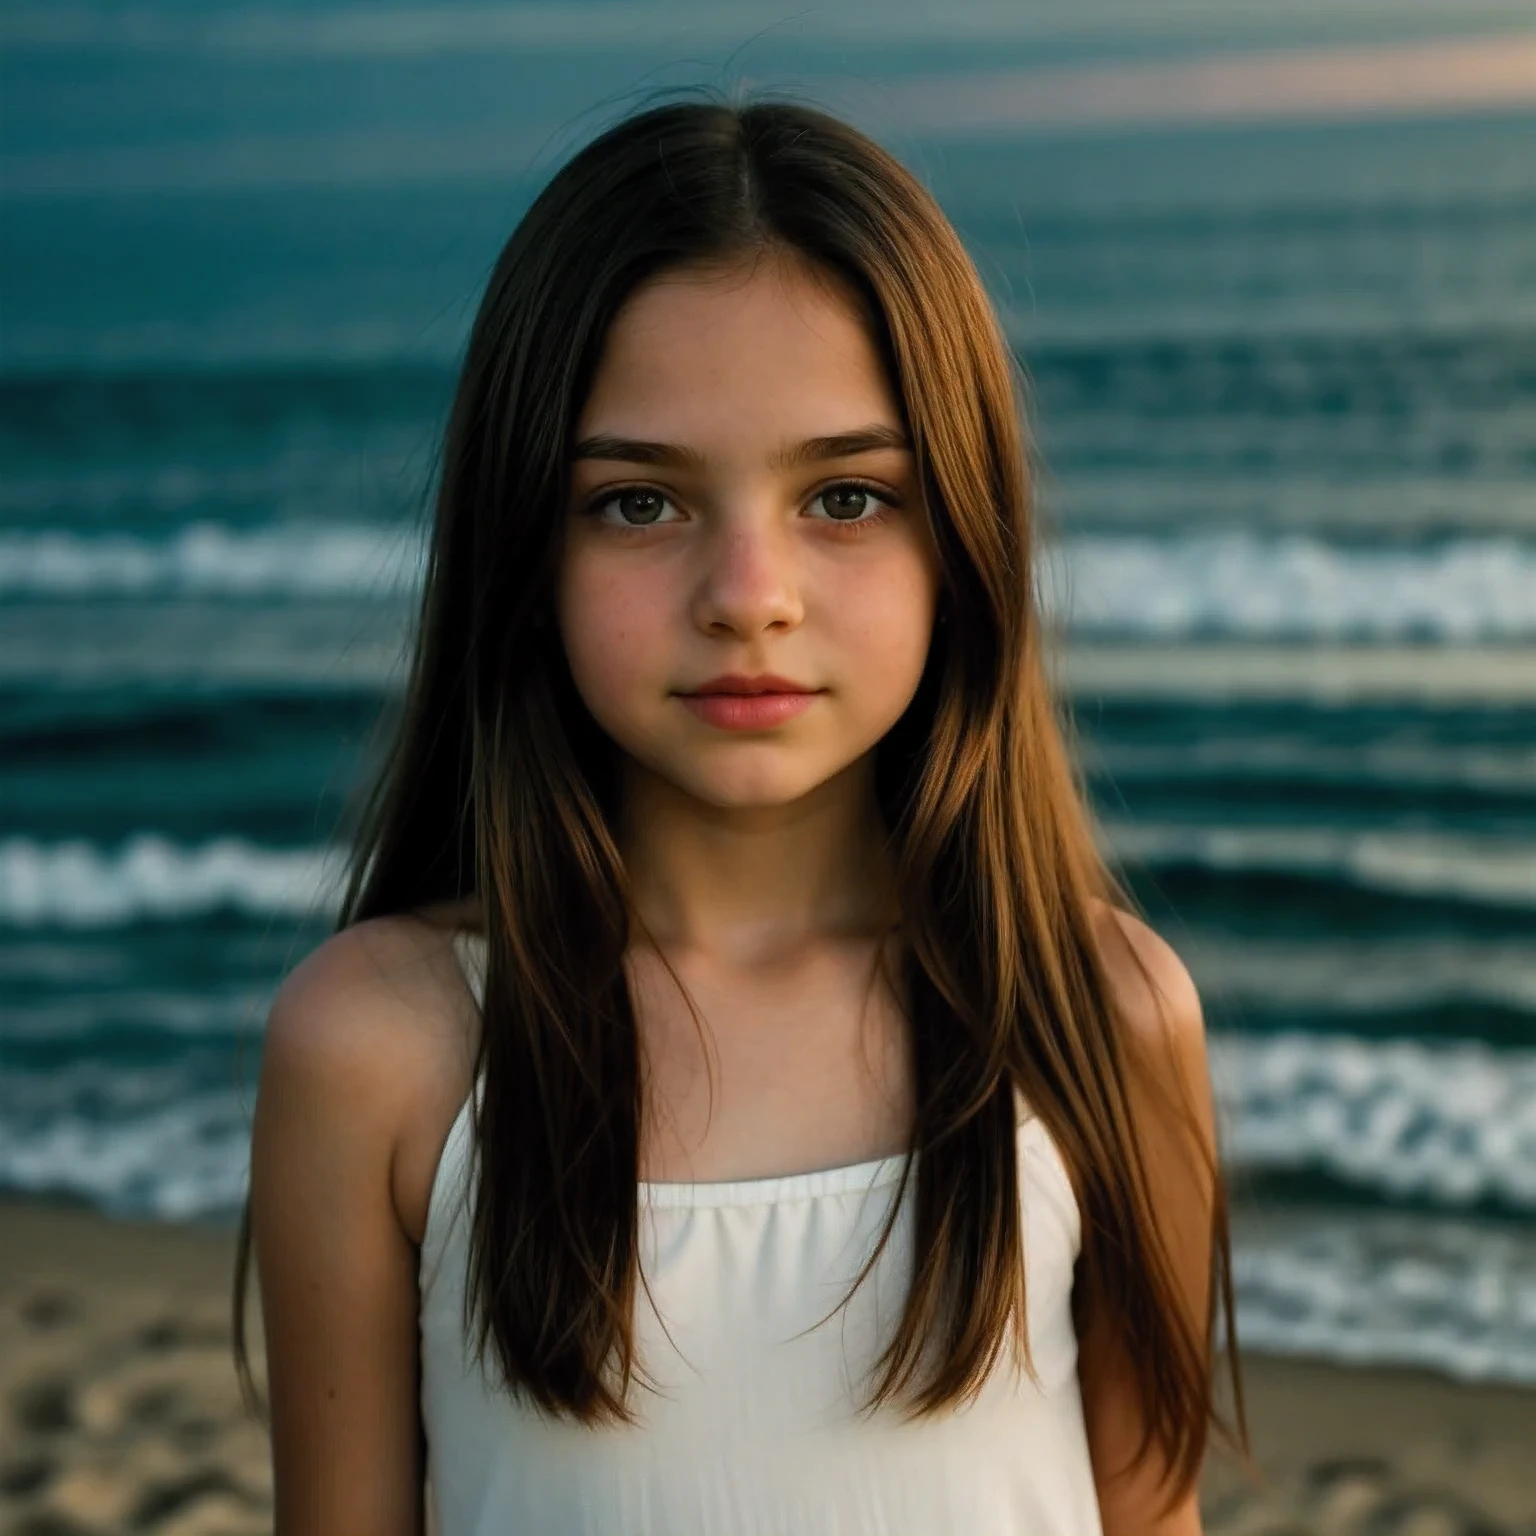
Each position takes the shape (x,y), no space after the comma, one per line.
(758,1432)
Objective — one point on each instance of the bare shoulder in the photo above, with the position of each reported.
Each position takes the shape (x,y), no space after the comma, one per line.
(369,1004)
(1153,988)
(368,1046)
(1155,997)
(376,1030)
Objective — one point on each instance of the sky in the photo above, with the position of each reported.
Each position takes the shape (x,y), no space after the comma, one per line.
(130,98)
(230,178)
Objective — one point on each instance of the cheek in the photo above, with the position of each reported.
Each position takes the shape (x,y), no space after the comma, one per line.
(887,618)
(611,630)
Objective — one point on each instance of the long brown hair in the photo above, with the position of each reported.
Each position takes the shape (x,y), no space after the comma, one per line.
(501,789)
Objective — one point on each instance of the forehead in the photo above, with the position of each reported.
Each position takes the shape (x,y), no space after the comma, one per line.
(762,348)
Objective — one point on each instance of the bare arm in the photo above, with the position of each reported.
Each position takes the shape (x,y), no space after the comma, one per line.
(1175,1120)
(337,1270)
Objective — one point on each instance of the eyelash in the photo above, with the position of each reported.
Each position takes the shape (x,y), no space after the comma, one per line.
(888,499)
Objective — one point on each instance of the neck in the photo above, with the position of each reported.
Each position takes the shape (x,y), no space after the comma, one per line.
(747,885)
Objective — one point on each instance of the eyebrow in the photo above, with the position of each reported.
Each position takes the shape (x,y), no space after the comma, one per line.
(814,450)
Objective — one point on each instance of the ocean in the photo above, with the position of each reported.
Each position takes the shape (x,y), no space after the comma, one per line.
(1284,395)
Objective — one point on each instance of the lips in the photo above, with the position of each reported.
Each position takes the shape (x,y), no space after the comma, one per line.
(735,702)
(741,684)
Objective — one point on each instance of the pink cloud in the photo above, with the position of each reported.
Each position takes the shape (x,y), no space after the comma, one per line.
(1443,77)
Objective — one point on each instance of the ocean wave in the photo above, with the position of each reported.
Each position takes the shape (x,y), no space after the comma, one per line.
(327,646)
(149,879)
(1242,586)
(295,489)
(1357,975)
(1287,369)
(1494,869)
(149,449)
(1138,673)
(205,558)
(184,1157)
(1403,510)
(1372,1288)
(1451,1123)
(229,344)
(91,1021)
(1293,587)
(339,645)
(1297,757)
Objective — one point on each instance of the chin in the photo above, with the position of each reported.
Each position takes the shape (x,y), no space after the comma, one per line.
(752,791)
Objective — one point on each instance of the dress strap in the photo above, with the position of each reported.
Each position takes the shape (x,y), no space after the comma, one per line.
(469,950)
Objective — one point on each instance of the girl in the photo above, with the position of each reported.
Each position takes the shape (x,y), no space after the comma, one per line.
(738,1098)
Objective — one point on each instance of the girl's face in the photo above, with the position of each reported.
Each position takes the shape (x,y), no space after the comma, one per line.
(745,516)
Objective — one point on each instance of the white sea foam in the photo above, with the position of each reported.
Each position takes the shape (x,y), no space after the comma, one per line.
(1360,974)
(1453,1123)
(1335,675)
(1242,584)
(1201,585)
(209,643)
(81,885)
(1375,1288)
(181,1158)
(1498,869)
(206,558)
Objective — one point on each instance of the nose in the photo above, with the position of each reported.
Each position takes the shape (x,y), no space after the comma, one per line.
(749,584)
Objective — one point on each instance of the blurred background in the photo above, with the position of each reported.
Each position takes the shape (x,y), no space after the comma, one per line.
(1272,271)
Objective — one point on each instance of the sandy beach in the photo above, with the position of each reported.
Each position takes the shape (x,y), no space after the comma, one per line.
(121,1411)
